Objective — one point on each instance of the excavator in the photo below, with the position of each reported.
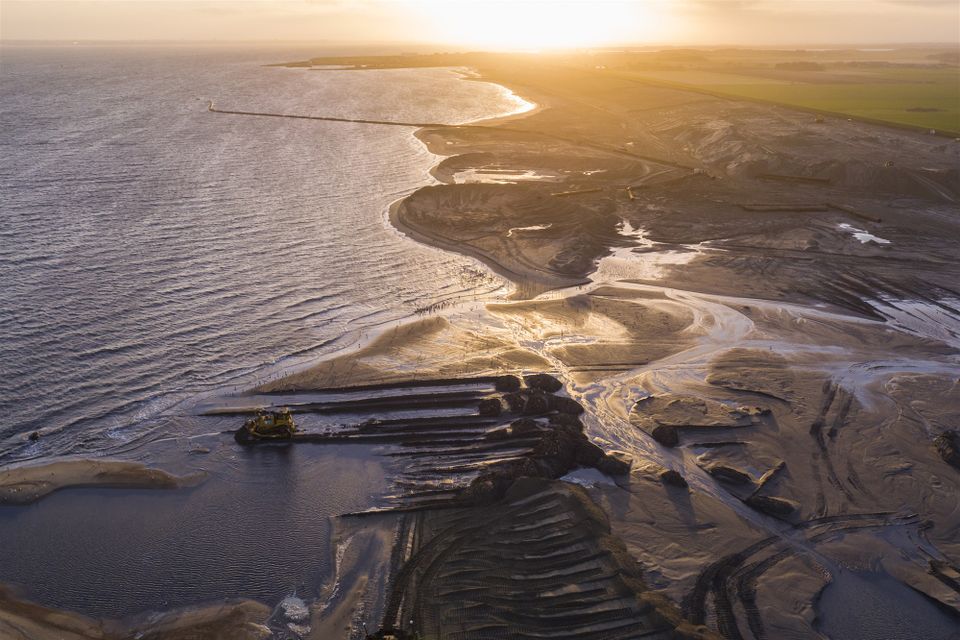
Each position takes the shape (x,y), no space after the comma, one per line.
(273,425)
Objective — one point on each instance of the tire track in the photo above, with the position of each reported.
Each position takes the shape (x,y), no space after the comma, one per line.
(729,582)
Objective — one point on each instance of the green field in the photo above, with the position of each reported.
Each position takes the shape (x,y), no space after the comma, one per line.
(921,97)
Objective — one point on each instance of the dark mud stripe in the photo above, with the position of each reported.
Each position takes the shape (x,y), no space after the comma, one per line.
(409,384)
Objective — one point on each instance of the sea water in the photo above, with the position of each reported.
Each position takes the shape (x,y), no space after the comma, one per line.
(153,253)
(151,250)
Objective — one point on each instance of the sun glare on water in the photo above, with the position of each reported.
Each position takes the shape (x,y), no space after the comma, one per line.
(539,24)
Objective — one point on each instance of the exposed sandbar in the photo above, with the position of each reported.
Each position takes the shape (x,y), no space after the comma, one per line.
(236,620)
(428,348)
(23,484)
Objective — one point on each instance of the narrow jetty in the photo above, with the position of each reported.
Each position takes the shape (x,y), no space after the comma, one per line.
(390,123)
(211,107)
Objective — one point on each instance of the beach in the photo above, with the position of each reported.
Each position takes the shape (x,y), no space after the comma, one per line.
(715,399)
(729,305)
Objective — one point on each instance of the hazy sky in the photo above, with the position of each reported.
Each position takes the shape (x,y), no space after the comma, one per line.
(488,23)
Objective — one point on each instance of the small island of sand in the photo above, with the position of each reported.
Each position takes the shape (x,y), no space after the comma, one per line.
(26,483)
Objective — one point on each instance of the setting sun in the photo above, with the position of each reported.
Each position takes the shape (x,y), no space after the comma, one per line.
(535,24)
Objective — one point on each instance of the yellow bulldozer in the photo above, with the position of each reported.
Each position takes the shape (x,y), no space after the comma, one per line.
(273,425)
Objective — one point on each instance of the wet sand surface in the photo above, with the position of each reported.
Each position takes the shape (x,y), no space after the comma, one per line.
(242,620)
(754,319)
(28,483)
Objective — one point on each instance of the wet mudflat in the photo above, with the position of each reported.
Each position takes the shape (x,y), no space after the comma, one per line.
(777,329)
(753,348)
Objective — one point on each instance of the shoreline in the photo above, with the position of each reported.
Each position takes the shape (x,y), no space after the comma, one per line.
(235,619)
(541,103)
(368,335)
(264,376)
(531,278)
(756,414)
(732,373)
(23,484)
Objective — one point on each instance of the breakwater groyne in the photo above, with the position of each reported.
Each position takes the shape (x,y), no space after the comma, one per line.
(213,109)
(616,150)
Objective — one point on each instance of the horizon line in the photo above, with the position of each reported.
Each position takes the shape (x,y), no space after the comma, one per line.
(451,48)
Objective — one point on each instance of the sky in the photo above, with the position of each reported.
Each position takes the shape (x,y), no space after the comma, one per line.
(488,24)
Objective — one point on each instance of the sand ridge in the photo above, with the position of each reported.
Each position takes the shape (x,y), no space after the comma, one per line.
(26,483)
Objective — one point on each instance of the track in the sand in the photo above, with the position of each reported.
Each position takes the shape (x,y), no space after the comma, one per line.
(535,559)
(541,564)
(730,580)
(443,436)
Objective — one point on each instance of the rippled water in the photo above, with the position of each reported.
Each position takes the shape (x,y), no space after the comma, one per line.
(259,527)
(153,253)
(150,250)
(869,605)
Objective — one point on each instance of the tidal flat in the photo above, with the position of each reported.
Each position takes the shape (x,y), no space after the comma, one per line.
(765,401)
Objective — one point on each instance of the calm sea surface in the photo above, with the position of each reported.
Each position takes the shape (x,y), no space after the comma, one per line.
(150,250)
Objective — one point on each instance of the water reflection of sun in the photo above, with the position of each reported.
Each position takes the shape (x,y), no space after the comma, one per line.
(540,24)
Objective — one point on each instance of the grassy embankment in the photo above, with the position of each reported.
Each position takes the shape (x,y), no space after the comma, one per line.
(917,87)
(928,98)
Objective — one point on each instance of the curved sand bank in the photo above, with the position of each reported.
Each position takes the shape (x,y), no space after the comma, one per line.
(236,620)
(527,237)
(23,484)
(436,347)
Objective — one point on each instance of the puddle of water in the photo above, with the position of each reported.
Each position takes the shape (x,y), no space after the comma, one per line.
(867,605)
(536,227)
(862,235)
(587,478)
(627,230)
(642,260)
(501,176)
(938,320)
